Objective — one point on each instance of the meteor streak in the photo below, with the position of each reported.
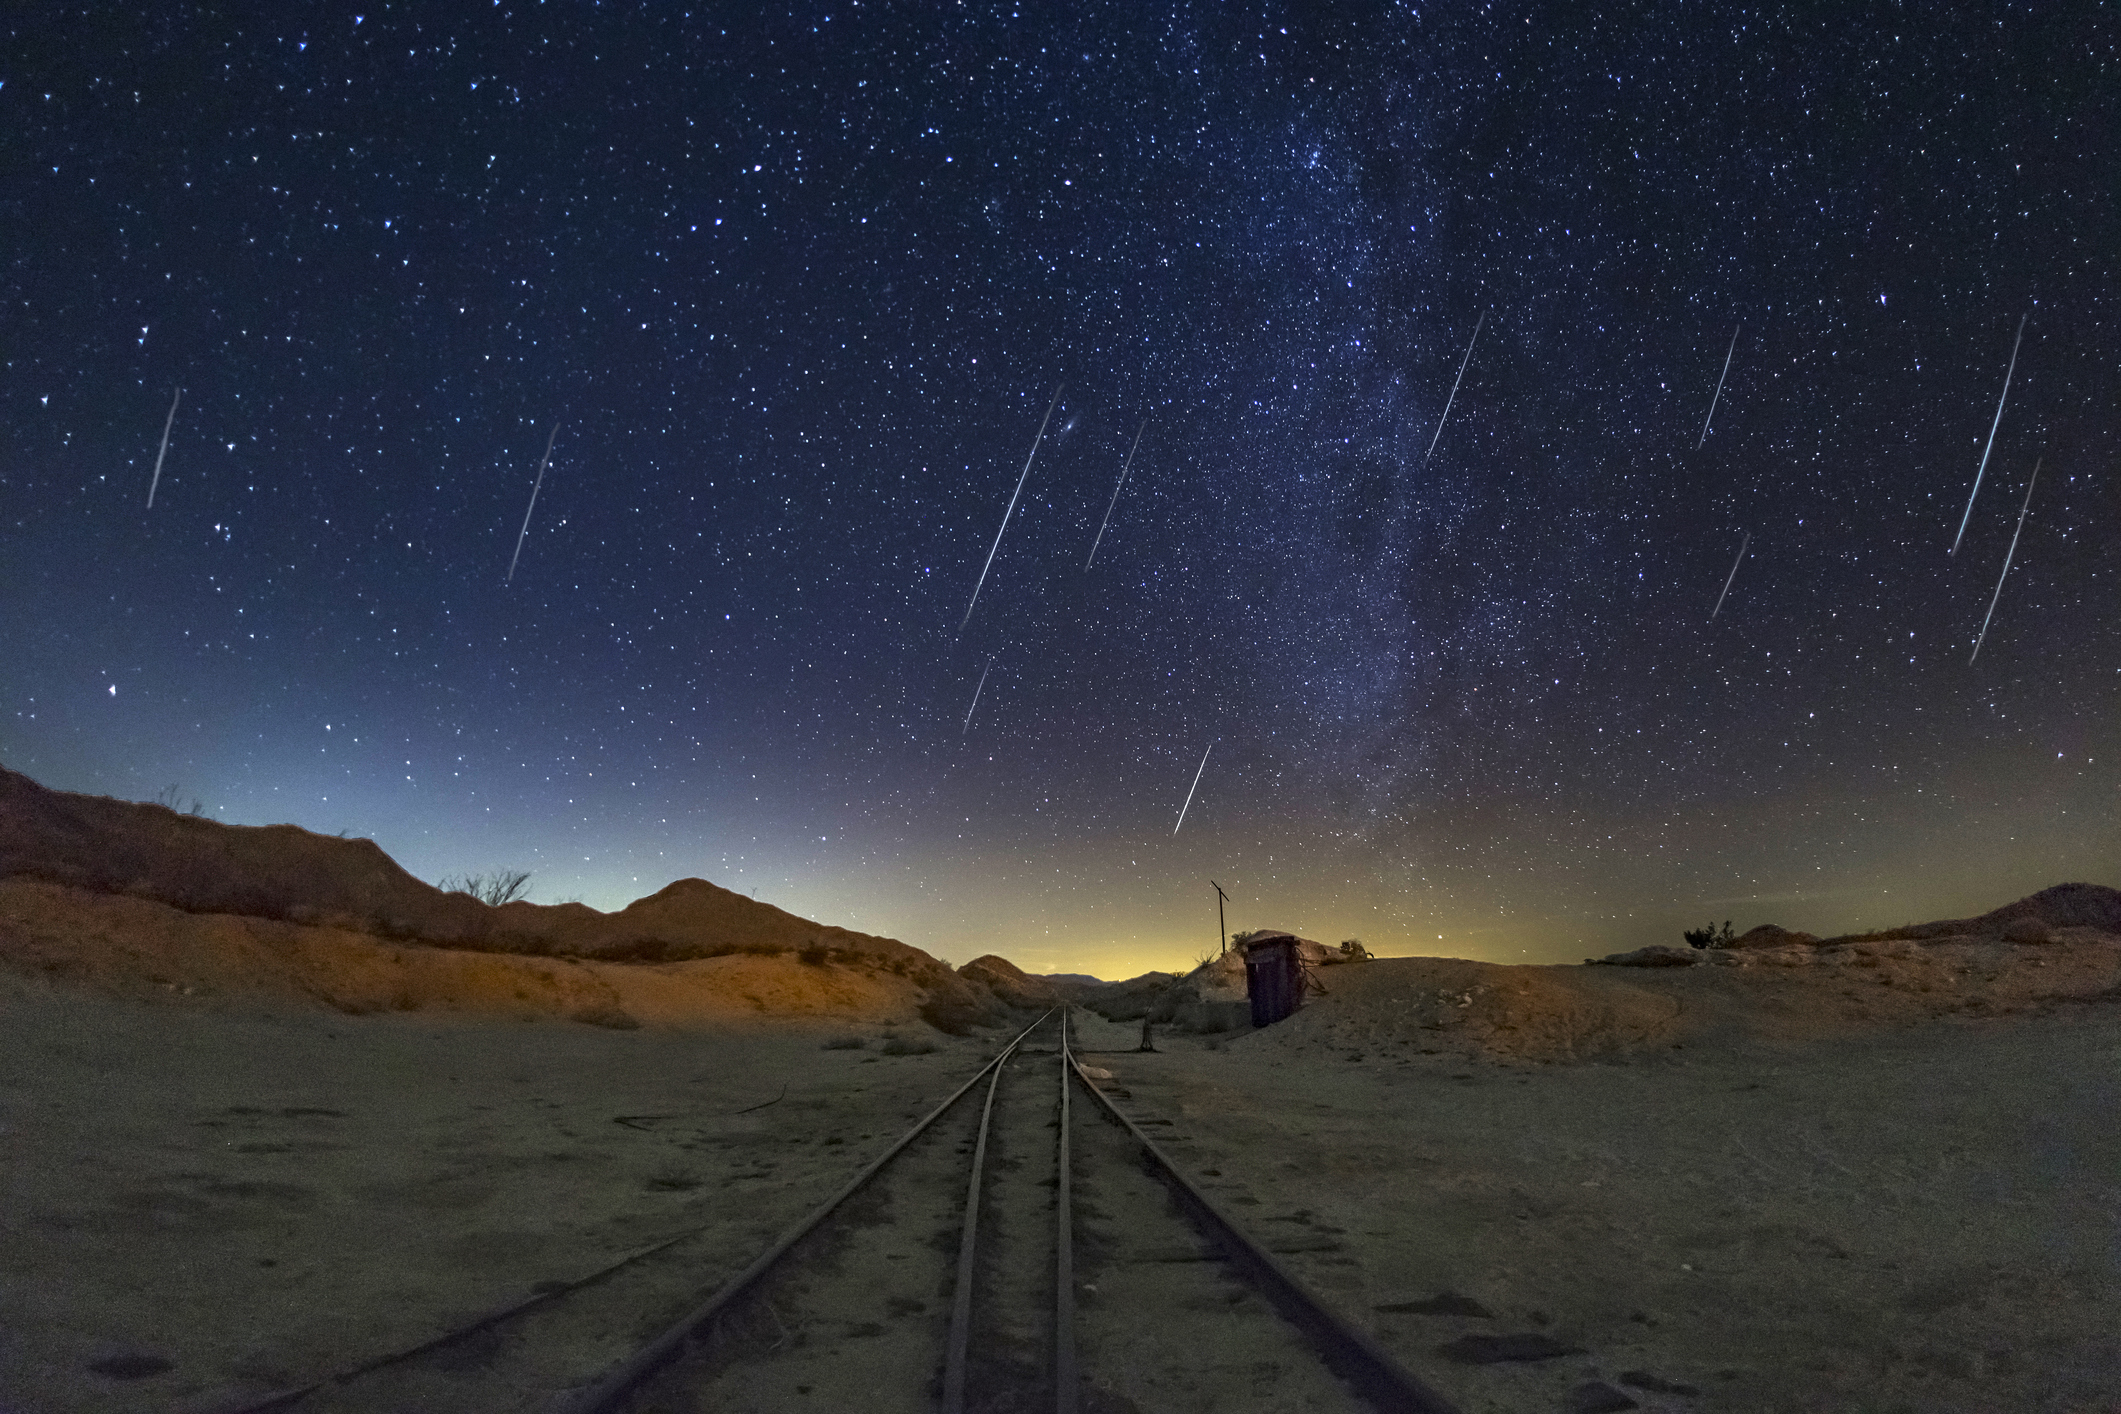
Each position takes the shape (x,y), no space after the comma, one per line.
(2006,564)
(1719,387)
(1454,386)
(532,506)
(1115,494)
(1991,436)
(166,425)
(1731,576)
(1194,787)
(975,698)
(1012,509)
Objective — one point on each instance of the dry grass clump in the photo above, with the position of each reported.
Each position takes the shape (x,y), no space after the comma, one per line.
(901,1046)
(843,1043)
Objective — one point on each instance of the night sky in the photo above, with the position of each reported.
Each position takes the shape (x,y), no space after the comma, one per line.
(797,289)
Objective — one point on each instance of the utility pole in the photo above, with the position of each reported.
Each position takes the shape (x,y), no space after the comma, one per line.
(1220,899)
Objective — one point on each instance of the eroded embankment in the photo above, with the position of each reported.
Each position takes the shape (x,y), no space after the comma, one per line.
(1547,1014)
(125,946)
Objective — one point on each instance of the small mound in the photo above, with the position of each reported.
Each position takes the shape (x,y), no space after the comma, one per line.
(1483,1009)
(1403,1007)
(2063,906)
(1767,935)
(1010,984)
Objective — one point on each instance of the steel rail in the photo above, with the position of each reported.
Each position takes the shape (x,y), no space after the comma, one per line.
(287,1398)
(954,1351)
(1359,1358)
(1066,1380)
(606,1393)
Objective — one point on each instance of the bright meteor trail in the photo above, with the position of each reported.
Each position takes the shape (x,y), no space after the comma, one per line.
(1012,508)
(1454,385)
(532,506)
(1719,390)
(2006,564)
(975,698)
(1194,787)
(167,423)
(1991,437)
(1731,576)
(1115,494)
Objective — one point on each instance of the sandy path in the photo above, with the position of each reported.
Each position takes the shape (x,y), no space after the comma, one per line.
(254,1200)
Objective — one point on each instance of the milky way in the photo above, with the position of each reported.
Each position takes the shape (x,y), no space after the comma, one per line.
(801,284)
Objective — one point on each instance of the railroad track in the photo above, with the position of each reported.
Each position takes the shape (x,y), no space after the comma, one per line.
(1025,1246)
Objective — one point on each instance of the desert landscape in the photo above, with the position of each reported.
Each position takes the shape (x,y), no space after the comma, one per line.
(275,1109)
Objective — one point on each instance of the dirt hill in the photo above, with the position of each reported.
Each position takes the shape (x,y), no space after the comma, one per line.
(1129,1000)
(1010,983)
(2059,947)
(127,894)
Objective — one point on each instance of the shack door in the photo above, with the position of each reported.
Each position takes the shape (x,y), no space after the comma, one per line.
(1273,979)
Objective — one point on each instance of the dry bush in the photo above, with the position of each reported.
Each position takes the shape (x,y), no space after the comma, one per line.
(900,1046)
(956,1014)
(843,1043)
(493,890)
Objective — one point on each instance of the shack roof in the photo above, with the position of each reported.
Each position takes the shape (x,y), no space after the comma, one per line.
(1269,939)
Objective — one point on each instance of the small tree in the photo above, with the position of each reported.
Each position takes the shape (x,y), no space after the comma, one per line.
(501,886)
(1708,937)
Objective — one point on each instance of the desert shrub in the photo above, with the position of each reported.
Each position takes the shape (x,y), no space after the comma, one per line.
(501,886)
(901,1046)
(1354,950)
(641,950)
(956,1015)
(171,797)
(843,1043)
(1709,937)
(814,953)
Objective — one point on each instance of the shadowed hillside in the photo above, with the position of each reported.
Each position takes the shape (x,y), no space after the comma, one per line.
(95,847)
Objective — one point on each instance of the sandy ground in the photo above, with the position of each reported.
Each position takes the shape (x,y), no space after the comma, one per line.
(1925,1218)
(1877,1198)
(256,1198)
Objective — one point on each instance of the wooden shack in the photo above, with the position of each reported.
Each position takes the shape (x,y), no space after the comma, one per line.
(1274,977)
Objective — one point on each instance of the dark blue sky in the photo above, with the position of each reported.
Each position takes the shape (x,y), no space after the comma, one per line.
(797,289)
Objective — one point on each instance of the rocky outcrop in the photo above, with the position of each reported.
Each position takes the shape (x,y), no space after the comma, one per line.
(1656,955)
(2092,906)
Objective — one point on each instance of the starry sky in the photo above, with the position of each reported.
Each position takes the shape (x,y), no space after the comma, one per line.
(797,287)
